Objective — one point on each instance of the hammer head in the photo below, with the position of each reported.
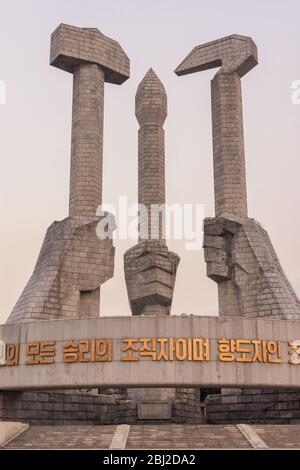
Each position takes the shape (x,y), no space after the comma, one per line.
(71,46)
(233,53)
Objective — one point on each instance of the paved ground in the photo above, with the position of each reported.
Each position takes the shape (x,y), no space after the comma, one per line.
(171,436)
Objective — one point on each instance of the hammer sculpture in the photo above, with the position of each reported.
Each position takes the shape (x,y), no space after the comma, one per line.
(236,55)
(238,252)
(93,59)
(73,261)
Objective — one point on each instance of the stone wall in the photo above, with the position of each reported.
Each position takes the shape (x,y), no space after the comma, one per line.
(115,407)
(254,406)
(66,408)
(151,394)
(187,407)
(184,403)
(110,406)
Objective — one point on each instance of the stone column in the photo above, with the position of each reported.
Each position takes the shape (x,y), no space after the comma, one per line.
(150,268)
(87,156)
(151,113)
(87,140)
(228,145)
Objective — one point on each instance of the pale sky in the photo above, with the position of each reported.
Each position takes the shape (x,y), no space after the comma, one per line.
(35,128)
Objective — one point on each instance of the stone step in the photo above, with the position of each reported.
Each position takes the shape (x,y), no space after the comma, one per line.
(64,437)
(165,436)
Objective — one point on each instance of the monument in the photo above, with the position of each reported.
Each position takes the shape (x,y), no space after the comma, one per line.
(54,339)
